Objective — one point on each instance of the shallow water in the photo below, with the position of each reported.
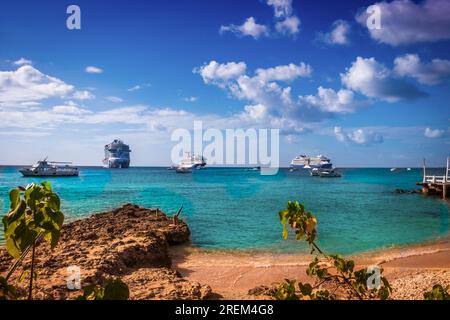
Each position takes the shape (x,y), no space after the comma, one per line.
(234,208)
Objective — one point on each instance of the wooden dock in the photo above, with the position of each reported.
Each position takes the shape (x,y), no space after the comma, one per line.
(436,184)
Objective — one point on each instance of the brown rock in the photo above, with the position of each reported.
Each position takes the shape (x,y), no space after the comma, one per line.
(130,242)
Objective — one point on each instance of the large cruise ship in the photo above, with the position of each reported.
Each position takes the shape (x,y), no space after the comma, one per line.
(117,155)
(307,162)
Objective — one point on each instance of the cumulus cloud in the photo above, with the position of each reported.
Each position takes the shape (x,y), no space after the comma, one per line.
(434,133)
(220,73)
(430,73)
(290,25)
(22,61)
(375,80)
(248,28)
(405,22)
(338,34)
(285,22)
(93,69)
(27,84)
(272,101)
(285,72)
(358,137)
(329,100)
(282,8)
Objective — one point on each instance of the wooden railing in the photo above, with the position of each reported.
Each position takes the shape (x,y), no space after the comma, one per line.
(436,179)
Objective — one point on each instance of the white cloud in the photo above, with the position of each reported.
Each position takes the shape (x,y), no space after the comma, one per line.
(285,72)
(358,136)
(69,109)
(338,34)
(83,95)
(434,133)
(290,25)
(404,22)
(138,116)
(92,69)
(375,80)
(22,61)
(114,99)
(255,112)
(329,100)
(282,8)
(190,99)
(219,73)
(430,73)
(28,84)
(285,22)
(139,87)
(248,28)
(270,101)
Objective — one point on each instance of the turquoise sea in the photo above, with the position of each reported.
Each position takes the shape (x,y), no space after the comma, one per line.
(233,208)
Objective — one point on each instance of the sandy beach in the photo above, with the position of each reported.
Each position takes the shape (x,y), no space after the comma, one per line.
(411,270)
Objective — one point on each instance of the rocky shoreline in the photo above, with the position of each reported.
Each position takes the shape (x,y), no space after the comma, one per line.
(131,243)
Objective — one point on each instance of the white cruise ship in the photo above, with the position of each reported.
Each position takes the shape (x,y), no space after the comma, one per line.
(191,162)
(307,162)
(117,155)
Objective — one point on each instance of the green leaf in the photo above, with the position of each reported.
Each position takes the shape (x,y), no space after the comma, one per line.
(305,289)
(14,198)
(12,248)
(47,185)
(116,290)
(54,202)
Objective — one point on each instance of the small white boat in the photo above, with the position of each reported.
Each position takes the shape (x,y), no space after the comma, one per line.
(329,173)
(408,169)
(183,169)
(393,169)
(314,172)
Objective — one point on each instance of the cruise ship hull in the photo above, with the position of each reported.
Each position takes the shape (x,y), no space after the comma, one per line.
(311,166)
(117,164)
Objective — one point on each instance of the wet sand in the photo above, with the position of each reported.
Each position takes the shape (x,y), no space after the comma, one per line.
(411,270)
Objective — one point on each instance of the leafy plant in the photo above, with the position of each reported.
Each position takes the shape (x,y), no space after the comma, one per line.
(114,289)
(438,293)
(34,215)
(330,269)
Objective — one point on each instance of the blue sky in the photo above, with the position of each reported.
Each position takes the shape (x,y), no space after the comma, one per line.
(311,68)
